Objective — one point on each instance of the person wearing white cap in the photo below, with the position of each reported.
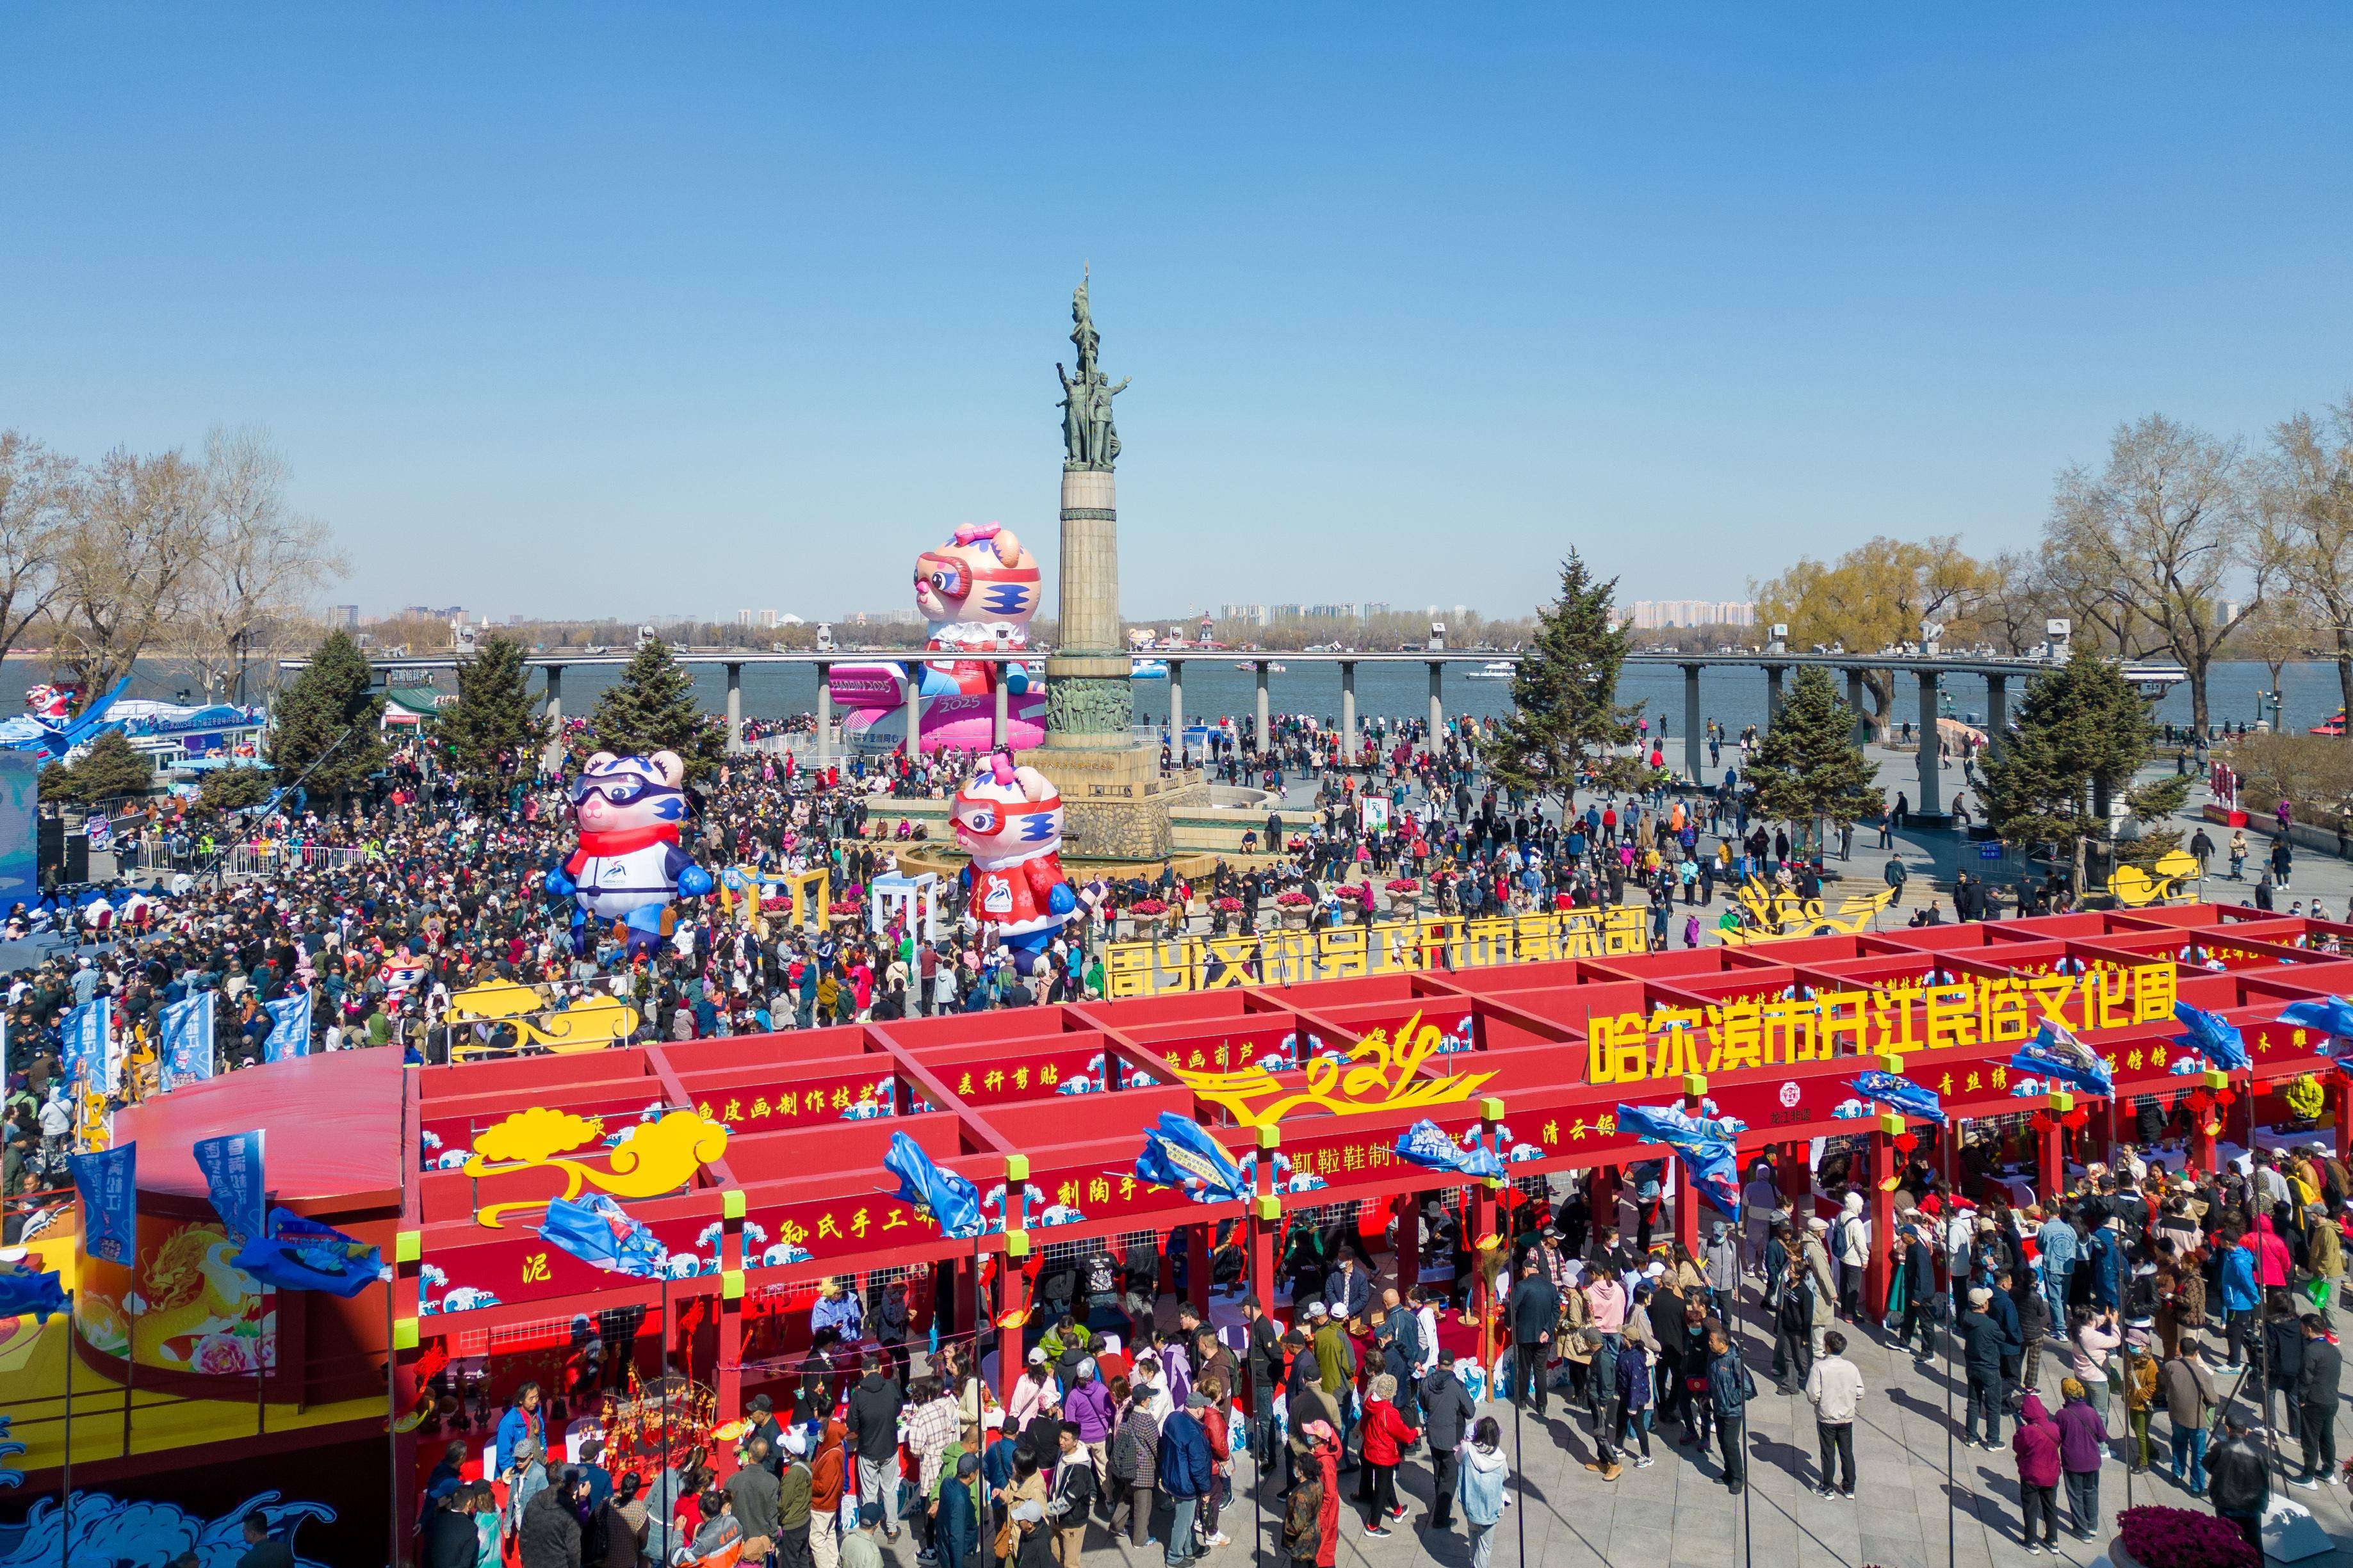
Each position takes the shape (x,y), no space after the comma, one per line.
(1033,1391)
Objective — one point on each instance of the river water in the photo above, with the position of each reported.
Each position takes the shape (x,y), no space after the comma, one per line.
(1214,687)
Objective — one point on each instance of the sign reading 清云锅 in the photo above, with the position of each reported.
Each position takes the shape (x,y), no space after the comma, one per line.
(1738,1035)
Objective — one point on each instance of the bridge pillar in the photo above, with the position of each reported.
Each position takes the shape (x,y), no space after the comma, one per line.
(1436,707)
(1997,714)
(1265,740)
(1348,709)
(1855,700)
(823,716)
(1177,715)
(1773,692)
(551,757)
(1931,802)
(1694,745)
(915,711)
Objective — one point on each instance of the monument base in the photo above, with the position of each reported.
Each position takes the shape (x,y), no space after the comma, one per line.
(1115,804)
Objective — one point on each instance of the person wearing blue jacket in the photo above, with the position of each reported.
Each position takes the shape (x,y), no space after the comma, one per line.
(524,1419)
(2108,1270)
(2239,1295)
(1634,1402)
(1184,1475)
(1729,1390)
(2056,1245)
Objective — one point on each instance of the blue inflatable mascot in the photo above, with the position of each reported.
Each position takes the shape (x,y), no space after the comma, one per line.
(627,865)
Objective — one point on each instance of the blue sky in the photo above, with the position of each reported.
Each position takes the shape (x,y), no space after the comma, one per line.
(619,310)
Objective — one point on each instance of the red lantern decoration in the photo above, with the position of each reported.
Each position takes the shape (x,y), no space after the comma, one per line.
(2076,1121)
(1904,1142)
(2226,1097)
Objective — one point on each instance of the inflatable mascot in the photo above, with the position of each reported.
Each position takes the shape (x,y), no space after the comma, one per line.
(627,863)
(977,591)
(1009,820)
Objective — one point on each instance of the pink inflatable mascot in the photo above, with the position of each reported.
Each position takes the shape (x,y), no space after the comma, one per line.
(1009,820)
(978,592)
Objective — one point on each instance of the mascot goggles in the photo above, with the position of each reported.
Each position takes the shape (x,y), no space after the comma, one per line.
(945,574)
(621,790)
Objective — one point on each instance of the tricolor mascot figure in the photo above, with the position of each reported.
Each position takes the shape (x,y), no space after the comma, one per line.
(628,864)
(1009,820)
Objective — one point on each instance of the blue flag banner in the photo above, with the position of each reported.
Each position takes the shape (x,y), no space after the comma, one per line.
(23,1290)
(1425,1143)
(2056,1056)
(1901,1095)
(2332,1015)
(108,1184)
(289,1026)
(2219,1043)
(953,1202)
(1703,1144)
(304,1255)
(87,1033)
(232,1168)
(187,1031)
(1179,1152)
(599,1232)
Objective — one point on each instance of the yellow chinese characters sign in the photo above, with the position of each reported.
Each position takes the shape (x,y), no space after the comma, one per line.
(1915,1016)
(1377,1074)
(1384,947)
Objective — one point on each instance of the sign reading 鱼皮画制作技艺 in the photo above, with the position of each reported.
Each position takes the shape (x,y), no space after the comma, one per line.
(1753,1032)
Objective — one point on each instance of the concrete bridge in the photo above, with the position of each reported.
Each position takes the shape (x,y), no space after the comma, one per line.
(1926,668)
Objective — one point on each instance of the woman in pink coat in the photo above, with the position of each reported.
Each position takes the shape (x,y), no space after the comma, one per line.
(2035,1445)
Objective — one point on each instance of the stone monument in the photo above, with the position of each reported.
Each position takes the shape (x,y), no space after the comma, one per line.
(1115,802)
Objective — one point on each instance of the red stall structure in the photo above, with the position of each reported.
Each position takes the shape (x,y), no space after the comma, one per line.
(756,1161)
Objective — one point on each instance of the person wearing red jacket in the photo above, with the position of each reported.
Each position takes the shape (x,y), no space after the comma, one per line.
(2271,1259)
(2035,1446)
(1221,1461)
(1383,1431)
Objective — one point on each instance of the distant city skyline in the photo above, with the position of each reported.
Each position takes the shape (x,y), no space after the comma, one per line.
(558,307)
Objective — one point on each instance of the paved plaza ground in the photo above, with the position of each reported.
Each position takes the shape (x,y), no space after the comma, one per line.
(1678,1513)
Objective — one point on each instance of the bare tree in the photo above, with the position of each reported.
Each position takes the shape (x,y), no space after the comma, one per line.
(37,493)
(2157,537)
(260,565)
(2307,496)
(139,529)
(2010,613)
(2278,634)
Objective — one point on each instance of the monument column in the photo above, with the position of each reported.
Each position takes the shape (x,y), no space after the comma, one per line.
(734,708)
(1115,804)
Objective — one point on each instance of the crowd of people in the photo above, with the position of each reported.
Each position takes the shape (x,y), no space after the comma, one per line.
(2148,1319)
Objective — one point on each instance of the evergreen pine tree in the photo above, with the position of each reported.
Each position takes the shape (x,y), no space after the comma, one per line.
(1810,768)
(109,768)
(326,725)
(651,708)
(1565,719)
(2083,733)
(494,730)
